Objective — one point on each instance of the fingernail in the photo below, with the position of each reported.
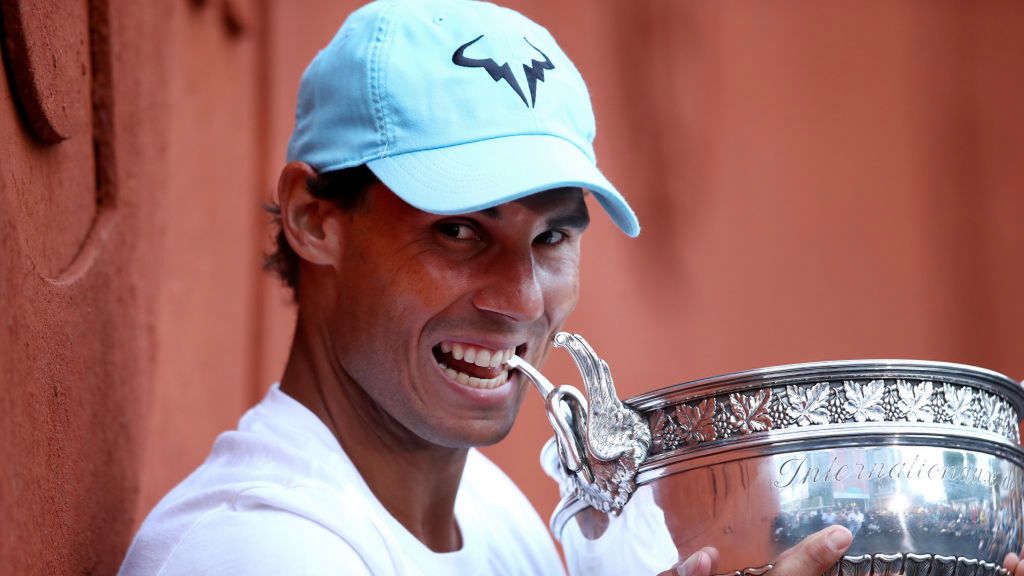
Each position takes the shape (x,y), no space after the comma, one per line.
(839,539)
(691,564)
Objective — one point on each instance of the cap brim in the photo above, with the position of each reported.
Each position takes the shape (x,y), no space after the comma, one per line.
(479,175)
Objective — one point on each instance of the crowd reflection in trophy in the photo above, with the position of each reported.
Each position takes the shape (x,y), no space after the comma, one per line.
(959,528)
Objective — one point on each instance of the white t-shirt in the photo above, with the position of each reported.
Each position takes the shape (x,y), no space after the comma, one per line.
(279,496)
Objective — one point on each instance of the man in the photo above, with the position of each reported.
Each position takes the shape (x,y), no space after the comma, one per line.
(431,214)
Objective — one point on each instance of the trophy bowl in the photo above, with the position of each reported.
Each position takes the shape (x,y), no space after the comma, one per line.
(922,461)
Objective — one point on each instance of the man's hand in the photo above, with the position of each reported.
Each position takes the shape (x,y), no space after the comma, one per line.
(811,557)
(1014,564)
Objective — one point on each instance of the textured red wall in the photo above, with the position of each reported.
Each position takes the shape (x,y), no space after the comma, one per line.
(78,147)
(815,181)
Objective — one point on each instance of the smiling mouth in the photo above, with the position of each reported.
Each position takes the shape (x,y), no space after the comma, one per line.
(474,366)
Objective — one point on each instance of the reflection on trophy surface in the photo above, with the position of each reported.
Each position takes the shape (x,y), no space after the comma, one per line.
(921,461)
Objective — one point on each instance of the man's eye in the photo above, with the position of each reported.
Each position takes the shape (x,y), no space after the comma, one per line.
(458,231)
(551,237)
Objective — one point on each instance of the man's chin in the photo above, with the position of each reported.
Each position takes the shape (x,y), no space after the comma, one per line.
(478,436)
(493,439)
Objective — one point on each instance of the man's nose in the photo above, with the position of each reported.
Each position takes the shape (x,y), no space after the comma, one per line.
(512,288)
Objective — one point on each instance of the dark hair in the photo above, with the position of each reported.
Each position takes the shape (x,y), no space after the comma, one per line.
(346,188)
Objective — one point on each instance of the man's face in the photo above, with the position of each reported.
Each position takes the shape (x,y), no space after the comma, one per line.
(429,307)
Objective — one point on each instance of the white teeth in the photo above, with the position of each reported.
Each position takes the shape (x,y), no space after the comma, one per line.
(499,379)
(487,383)
(484,357)
(473,381)
(502,357)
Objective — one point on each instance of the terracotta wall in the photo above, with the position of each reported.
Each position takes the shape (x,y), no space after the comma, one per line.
(81,198)
(815,181)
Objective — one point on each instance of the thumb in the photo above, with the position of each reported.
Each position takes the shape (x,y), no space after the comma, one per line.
(699,564)
(815,554)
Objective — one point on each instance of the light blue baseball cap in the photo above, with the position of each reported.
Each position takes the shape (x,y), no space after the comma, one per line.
(455,105)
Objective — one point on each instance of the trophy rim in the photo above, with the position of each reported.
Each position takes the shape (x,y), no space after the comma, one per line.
(754,378)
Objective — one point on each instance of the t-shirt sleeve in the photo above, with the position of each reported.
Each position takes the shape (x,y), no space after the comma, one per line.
(259,542)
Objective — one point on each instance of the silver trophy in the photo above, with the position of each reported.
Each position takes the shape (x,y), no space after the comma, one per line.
(922,461)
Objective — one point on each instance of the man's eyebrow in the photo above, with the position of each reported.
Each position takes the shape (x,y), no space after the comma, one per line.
(578,219)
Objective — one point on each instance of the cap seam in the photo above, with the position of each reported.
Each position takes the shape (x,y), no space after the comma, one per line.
(312,70)
(385,55)
(380,116)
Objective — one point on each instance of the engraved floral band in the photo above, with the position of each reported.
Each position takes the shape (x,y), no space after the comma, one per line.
(830,402)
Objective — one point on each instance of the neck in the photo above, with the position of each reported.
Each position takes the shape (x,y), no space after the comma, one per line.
(414,480)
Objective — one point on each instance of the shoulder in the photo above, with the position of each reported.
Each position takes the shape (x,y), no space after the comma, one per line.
(263,541)
(255,541)
(274,497)
(261,528)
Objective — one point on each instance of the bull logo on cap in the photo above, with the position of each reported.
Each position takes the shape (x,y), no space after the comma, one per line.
(534,70)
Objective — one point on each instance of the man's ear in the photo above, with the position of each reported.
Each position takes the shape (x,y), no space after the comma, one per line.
(308,222)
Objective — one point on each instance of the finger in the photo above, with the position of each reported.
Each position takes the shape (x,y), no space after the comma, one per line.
(1019,570)
(694,564)
(699,564)
(1010,562)
(713,554)
(815,554)
(797,549)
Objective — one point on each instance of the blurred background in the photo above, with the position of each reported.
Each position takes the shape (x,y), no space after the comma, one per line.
(815,180)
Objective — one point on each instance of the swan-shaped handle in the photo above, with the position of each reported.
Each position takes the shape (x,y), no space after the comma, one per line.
(601,441)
